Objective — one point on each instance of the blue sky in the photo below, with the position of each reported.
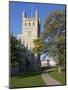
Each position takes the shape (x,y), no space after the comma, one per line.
(16,9)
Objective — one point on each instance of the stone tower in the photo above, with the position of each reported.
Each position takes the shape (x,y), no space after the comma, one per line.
(30,30)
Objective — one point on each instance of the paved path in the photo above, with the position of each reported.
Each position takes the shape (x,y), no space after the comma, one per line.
(49,80)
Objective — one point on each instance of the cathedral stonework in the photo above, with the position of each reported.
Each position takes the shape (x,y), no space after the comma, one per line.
(30,29)
(30,32)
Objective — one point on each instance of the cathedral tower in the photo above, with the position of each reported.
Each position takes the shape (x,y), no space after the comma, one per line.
(30,29)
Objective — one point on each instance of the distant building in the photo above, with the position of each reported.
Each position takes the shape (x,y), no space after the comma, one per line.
(45,63)
(52,63)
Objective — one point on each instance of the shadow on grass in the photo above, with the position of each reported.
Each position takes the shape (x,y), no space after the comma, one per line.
(45,68)
(28,74)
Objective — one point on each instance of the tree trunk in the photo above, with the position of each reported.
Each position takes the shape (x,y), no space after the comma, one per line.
(59,69)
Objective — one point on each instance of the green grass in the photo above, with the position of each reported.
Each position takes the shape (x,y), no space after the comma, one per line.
(27,80)
(58,76)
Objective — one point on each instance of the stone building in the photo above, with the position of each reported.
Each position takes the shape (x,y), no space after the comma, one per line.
(30,31)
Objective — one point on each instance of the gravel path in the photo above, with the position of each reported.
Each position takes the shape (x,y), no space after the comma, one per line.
(49,80)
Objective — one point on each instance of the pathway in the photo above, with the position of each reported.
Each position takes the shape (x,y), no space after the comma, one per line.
(49,80)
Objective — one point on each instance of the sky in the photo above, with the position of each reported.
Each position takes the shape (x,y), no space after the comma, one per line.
(16,9)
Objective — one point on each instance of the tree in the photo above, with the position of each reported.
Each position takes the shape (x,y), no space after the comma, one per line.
(14,50)
(19,54)
(38,46)
(54,36)
(38,49)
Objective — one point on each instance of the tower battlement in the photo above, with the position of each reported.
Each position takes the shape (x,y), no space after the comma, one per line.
(30,29)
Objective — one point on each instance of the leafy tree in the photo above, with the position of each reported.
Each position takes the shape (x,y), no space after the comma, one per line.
(38,46)
(19,54)
(54,36)
(14,50)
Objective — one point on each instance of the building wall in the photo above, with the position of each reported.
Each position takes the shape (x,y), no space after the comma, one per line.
(45,63)
(30,30)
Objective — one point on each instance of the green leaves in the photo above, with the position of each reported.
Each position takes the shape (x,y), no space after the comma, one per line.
(60,39)
(55,21)
(14,49)
(55,35)
(38,46)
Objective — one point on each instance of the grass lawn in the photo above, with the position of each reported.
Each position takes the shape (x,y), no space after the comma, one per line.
(27,80)
(58,76)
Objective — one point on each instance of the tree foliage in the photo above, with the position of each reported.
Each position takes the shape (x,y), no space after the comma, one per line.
(38,46)
(14,46)
(54,35)
(19,54)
